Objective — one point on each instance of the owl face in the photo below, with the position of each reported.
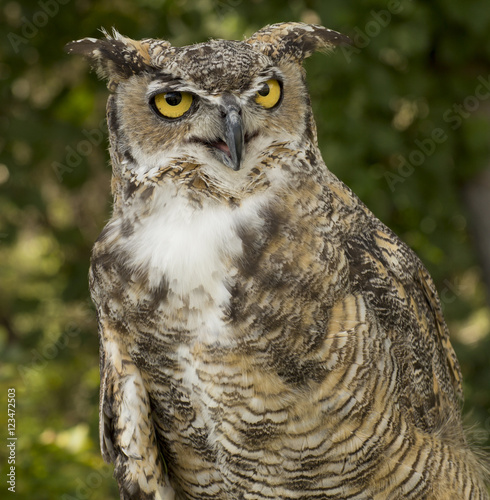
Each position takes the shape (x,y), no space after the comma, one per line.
(213,108)
(222,121)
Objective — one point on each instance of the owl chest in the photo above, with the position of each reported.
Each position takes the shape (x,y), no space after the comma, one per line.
(182,263)
(213,328)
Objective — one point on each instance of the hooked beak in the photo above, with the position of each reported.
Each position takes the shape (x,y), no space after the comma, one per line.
(234,137)
(229,146)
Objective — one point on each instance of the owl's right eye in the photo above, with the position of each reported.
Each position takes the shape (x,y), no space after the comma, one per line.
(172,104)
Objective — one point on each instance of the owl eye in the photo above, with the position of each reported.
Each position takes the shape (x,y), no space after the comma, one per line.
(269,95)
(172,104)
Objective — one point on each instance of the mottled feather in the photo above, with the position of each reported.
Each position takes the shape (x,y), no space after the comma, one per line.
(259,328)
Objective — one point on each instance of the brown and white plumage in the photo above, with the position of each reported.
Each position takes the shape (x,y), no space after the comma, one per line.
(260,329)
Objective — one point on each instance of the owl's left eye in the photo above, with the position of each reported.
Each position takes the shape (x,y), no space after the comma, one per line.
(172,104)
(269,95)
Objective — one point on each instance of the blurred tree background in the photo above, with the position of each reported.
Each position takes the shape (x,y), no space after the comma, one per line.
(403,118)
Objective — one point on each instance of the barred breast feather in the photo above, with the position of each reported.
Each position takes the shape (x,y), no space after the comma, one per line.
(295,350)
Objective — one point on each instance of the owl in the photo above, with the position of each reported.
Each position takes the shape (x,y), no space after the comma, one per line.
(262,334)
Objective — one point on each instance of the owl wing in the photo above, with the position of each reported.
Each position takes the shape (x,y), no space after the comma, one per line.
(402,296)
(127,435)
(441,331)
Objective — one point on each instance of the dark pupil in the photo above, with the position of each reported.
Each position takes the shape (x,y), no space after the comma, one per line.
(173,98)
(264,90)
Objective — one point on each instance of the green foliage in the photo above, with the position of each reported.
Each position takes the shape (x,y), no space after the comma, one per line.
(402,119)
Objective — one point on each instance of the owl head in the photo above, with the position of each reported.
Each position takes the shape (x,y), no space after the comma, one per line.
(212,108)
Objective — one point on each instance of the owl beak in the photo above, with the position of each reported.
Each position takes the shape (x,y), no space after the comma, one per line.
(234,137)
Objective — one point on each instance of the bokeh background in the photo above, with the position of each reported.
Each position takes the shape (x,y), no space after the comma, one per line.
(403,118)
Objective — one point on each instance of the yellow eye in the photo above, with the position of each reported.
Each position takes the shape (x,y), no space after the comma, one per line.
(172,104)
(269,95)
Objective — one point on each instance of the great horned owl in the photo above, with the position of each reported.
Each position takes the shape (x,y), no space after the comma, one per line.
(262,334)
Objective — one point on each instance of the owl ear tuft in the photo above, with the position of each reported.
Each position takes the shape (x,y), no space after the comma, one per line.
(115,58)
(295,41)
